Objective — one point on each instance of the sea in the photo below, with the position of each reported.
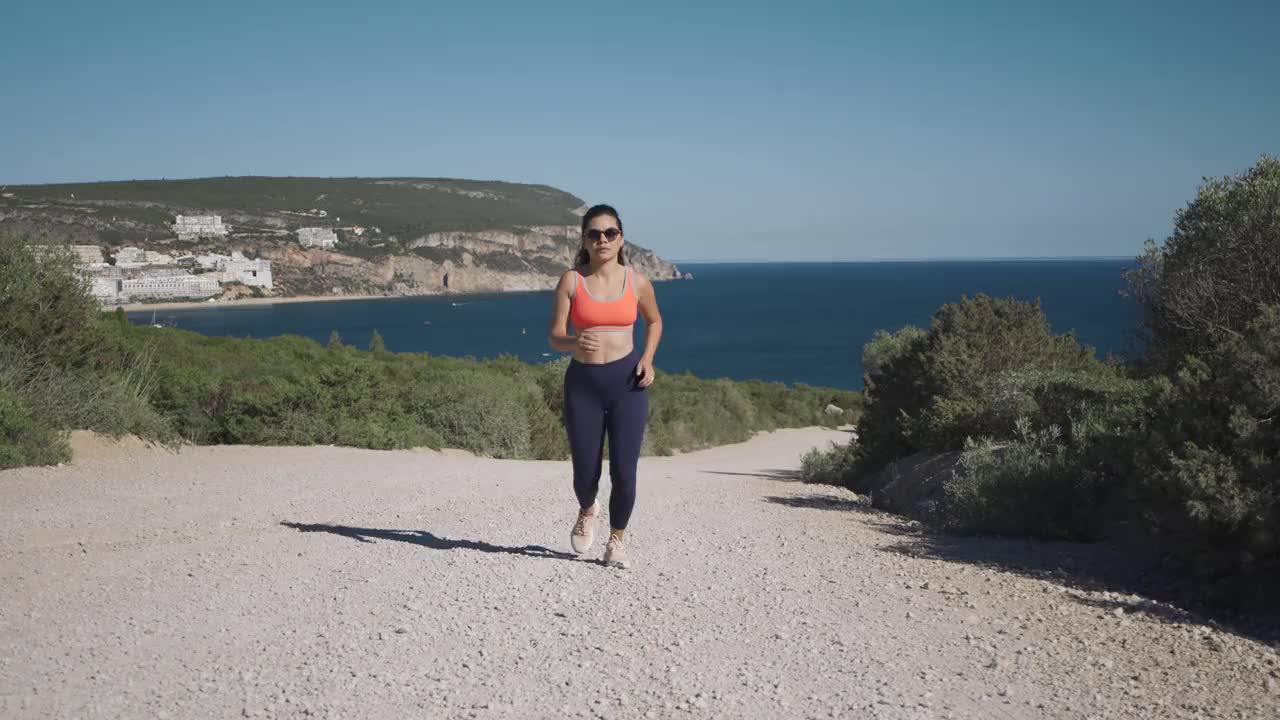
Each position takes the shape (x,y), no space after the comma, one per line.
(782,322)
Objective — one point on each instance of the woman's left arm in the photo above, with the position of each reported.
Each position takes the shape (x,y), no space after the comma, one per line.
(653,328)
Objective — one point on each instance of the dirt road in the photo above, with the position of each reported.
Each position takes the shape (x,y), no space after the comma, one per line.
(332,582)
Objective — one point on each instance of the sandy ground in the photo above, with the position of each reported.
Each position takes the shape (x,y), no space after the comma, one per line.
(331,582)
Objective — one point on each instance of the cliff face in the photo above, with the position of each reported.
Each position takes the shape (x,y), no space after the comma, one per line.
(431,241)
(459,262)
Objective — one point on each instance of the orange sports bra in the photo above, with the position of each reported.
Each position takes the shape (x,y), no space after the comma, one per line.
(614,315)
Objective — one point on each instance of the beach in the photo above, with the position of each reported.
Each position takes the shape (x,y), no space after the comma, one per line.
(246,302)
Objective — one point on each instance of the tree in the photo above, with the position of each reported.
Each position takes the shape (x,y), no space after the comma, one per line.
(1207,458)
(1205,284)
(376,345)
(49,313)
(335,340)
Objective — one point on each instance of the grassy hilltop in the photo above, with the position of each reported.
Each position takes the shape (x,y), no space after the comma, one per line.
(399,206)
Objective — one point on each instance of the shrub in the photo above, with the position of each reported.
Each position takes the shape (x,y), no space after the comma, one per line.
(885,347)
(687,414)
(777,405)
(292,390)
(1031,486)
(547,437)
(833,466)
(932,390)
(61,361)
(23,439)
(287,390)
(49,313)
(112,397)
(1206,282)
(1207,461)
(483,412)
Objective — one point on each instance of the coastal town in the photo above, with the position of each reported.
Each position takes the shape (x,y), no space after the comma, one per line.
(132,275)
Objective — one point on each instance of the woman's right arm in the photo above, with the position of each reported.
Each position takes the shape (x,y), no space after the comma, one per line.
(558,336)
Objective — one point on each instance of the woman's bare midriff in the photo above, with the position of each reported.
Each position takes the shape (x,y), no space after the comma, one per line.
(614,345)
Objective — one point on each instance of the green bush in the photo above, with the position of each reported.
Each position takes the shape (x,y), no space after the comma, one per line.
(1031,486)
(484,412)
(292,390)
(285,391)
(49,313)
(112,397)
(930,390)
(1089,407)
(885,347)
(23,439)
(547,438)
(1043,424)
(686,413)
(833,466)
(1207,281)
(1206,467)
(777,405)
(64,365)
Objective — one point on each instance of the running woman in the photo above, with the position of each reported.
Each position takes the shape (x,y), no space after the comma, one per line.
(605,383)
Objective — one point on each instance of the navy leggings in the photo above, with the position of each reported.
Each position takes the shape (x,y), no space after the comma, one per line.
(600,399)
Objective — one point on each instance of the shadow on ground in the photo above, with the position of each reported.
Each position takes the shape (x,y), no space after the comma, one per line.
(1094,567)
(818,501)
(429,540)
(784,475)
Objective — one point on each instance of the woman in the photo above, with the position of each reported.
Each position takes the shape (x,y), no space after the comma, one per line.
(604,387)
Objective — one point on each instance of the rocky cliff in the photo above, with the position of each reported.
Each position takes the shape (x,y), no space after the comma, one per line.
(461,262)
(390,236)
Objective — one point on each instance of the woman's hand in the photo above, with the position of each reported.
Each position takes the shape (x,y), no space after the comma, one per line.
(588,342)
(644,371)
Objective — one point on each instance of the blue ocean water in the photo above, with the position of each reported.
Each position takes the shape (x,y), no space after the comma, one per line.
(793,323)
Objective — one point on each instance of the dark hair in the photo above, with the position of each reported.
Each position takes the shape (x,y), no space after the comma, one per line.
(584,257)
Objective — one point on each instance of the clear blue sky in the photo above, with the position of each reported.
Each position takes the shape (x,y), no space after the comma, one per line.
(782,130)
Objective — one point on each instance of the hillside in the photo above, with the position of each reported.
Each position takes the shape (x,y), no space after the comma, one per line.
(398,236)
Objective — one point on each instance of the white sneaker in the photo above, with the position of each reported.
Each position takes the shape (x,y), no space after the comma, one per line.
(615,553)
(584,531)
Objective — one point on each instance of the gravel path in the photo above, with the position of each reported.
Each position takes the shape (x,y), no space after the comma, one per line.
(332,582)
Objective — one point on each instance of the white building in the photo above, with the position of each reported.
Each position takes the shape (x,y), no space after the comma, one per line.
(191,227)
(237,268)
(170,286)
(132,257)
(89,255)
(317,237)
(254,273)
(109,290)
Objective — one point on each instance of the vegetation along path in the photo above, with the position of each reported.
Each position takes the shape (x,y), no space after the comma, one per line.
(336,582)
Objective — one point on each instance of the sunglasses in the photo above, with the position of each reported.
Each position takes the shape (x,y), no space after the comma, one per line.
(610,234)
